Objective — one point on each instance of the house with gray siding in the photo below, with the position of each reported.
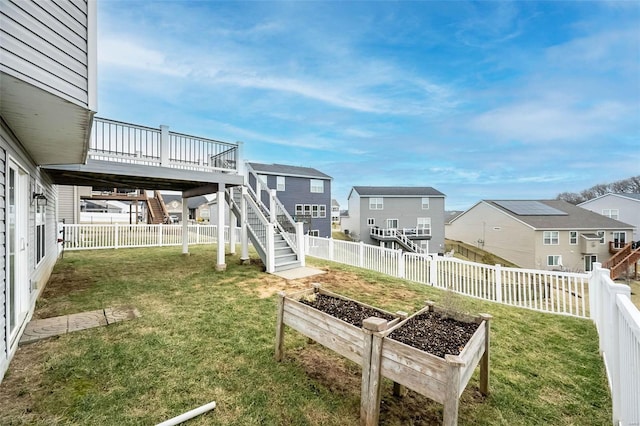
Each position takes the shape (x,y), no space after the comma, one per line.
(539,234)
(303,191)
(389,215)
(621,206)
(47,103)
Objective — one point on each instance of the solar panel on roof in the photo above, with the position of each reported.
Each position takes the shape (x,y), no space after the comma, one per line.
(530,208)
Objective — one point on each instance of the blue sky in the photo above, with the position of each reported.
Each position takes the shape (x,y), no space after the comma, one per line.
(481,100)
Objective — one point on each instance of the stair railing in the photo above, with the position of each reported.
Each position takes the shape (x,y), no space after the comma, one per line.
(163,206)
(407,242)
(618,257)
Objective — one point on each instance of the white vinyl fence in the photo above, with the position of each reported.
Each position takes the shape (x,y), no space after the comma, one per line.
(618,323)
(114,236)
(548,291)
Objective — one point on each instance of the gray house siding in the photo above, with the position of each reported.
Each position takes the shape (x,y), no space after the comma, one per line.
(298,191)
(628,209)
(406,211)
(67,196)
(50,47)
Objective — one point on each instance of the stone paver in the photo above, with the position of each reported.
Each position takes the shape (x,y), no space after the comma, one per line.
(48,327)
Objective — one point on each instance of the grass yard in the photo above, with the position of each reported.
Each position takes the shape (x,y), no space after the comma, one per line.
(209,336)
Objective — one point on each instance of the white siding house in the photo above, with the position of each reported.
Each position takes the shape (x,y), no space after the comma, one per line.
(621,206)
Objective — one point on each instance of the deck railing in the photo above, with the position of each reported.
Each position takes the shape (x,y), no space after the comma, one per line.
(130,143)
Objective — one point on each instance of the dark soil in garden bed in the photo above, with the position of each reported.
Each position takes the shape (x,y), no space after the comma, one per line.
(346,310)
(435,333)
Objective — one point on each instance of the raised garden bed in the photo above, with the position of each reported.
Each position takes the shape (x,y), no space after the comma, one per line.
(433,352)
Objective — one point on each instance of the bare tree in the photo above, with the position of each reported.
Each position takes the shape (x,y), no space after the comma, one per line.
(629,186)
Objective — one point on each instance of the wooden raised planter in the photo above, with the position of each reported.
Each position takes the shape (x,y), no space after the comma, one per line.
(340,336)
(440,379)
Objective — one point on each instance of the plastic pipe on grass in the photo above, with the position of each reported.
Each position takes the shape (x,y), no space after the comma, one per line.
(188,415)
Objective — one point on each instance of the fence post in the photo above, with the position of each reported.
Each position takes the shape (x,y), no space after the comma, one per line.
(330,248)
(164,146)
(401,265)
(433,270)
(498,282)
(272,206)
(115,237)
(361,256)
(301,245)
(270,249)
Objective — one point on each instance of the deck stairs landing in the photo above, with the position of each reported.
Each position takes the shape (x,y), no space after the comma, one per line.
(620,263)
(271,230)
(398,237)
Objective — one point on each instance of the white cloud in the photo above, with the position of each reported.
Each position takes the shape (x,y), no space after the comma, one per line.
(125,52)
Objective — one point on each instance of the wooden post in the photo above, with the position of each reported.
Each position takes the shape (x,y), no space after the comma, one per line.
(484,362)
(399,390)
(371,377)
(451,399)
(280,327)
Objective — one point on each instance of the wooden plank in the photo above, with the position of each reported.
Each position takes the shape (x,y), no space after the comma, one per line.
(338,343)
(420,362)
(467,371)
(451,401)
(367,337)
(337,325)
(375,379)
(475,342)
(299,294)
(484,362)
(423,384)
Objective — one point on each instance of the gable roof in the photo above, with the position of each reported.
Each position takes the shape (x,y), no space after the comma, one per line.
(568,216)
(397,191)
(286,170)
(629,195)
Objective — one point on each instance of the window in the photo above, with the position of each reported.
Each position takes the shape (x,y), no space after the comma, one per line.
(317,185)
(314,211)
(371,221)
(262,180)
(551,238)
(573,237)
(41,220)
(612,213)
(280,183)
(601,235)
(392,223)
(299,209)
(376,204)
(619,239)
(554,260)
(322,210)
(424,226)
(425,203)
(307,209)
(314,233)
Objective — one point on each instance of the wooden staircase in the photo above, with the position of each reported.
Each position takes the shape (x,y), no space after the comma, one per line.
(157,210)
(620,263)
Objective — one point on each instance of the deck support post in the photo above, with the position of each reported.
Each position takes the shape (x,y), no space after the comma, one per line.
(244,236)
(185,226)
(232,224)
(221,265)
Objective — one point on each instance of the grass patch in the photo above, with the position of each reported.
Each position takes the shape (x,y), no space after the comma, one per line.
(206,335)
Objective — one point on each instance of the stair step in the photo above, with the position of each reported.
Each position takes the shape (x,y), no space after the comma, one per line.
(280,259)
(287,266)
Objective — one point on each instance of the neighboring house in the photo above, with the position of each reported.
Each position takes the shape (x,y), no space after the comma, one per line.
(621,206)
(199,209)
(303,191)
(378,213)
(47,102)
(335,211)
(538,234)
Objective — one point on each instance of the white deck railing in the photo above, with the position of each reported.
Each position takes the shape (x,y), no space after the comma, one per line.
(129,143)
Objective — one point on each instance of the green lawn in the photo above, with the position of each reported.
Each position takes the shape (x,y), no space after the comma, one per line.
(209,336)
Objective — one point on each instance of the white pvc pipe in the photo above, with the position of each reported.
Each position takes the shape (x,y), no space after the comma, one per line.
(188,415)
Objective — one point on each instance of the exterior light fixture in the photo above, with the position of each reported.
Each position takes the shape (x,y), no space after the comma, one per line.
(39,198)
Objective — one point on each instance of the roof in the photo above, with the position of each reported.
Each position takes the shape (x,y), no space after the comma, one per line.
(286,170)
(568,216)
(335,202)
(449,215)
(629,195)
(397,191)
